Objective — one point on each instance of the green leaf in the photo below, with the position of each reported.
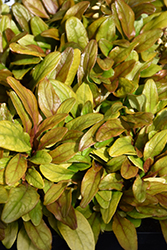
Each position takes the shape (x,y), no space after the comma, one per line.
(22,15)
(147,39)
(45,67)
(139,190)
(35,7)
(125,232)
(122,146)
(105,46)
(84,94)
(63,152)
(3,195)
(125,87)
(138,119)
(155,145)
(52,137)
(104,198)
(67,105)
(93,27)
(10,234)
(56,173)
(90,183)
(126,17)
(28,99)
(109,129)
(40,235)
(21,200)
(151,93)
(76,32)
(88,59)
(47,98)
(32,50)
(153,210)
(108,213)
(54,192)
(41,157)
(159,22)
(160,166)
(84,121)
(111,181)
(24,242)
(34,178)
(78,239)
(15,169)
(36,214)
(13,138)
(106,30)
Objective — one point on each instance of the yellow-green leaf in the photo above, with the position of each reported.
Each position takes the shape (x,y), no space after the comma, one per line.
(122,146)
(80,238)
(27,50)
(34,178)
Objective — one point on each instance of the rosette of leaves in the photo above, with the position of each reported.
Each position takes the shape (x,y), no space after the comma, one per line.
(82,121)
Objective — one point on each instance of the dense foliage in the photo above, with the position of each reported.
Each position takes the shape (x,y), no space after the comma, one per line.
(83,120)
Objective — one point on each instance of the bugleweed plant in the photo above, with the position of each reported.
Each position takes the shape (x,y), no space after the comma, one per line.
(83,121)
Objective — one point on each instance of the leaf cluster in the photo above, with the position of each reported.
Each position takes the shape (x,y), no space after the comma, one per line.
(83,120)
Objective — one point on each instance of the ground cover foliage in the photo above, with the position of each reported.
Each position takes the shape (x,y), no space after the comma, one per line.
(83,121)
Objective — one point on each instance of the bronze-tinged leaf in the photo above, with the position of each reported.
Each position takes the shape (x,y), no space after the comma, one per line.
(109,129)
(152,210)
(50,122)
(111,181)
(162,199)
(88,59)
(52,137)
(63,152)
(138,119)
(52,32)
(51,6)
(32,50)
(47,98)
(15,169)
(36,8)
(125,232)
(163,224)
(70,220)
(28,99)
(128,171)
(139,189)
(105,64)
(4,73)
(90,183)
(126,17)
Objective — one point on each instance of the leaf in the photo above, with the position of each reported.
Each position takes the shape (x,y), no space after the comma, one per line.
(108,213)
(56,173)
(40,235)
(34,178)
(147,39)
(76,10)
(84,94)
(106,30)
(36,8)
(10,234)
(139,190)
(88,59)
(13,138)
(15,169)
(84,121)
(122,146)
(163,224)
(45,67)
(155,145)
(111,181)
(50,123)
(26,50)
(104,198)
(66,106)
(151,93)
(128,171)
(78,239)
(90,183)
(63,152)
(154,211)
(125,232)
(88,139)
(52,137)
(76,32)
(160,166)
(24,242)
(22,15)
(105,46)
(109,129)
(21,200)
(125,87)
(36,214)
(138,119)
(28,99)
(54,192)
(126,17)
(93,27)
(3,195)
(51,33)
(159,22)
(70,219)
(47,98)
